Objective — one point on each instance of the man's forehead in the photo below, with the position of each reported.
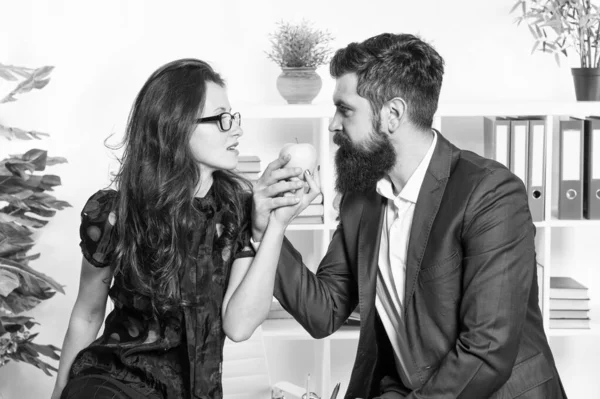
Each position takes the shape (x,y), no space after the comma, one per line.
(345,87)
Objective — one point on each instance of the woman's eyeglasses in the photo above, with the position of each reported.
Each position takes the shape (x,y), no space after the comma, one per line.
(225,120)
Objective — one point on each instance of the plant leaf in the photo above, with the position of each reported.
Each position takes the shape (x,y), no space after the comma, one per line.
(517,4)
(8,282)
(10,72)
(9,321)
(46,350)
(22,220)
(14,230)
(36,80)
(22,169)
(49,201)
(34,287)
(50,161)
(14,201)
(24,269)
(11,184)
(40,210)
(20,134)
(533,32)
(37,158)
(51,181)
(16,303)
(11,247)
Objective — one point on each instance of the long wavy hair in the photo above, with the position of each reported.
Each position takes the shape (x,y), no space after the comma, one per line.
(157,182)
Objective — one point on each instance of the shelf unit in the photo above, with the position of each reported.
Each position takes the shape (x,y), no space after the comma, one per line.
(320,114)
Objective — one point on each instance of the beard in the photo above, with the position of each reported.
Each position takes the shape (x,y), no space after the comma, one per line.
(360,167)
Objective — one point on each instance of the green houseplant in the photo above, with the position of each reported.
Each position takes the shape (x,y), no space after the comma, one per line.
(25,207)
(299,49)
(563,26)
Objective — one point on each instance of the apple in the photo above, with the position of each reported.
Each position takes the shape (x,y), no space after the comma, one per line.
(303,156)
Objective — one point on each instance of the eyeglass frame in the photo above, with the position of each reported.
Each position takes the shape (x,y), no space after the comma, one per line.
(235,117)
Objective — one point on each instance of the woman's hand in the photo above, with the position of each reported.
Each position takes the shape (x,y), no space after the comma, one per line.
(268,193)
(285,214)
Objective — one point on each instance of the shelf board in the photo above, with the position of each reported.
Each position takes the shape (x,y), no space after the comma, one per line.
(327,110)
(552,223)
(280,111)
(574,332)
(574,223)
(289,329)
(556,222)
(320,226)
(520,108)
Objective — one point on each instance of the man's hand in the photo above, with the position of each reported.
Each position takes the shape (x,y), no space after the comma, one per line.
(268,191)
(285,214)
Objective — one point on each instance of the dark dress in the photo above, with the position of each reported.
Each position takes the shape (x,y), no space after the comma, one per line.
(178,355)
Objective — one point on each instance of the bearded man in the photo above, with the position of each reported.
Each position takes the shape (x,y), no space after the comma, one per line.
(435,245)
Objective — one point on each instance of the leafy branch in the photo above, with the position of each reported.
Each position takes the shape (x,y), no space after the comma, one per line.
(24,205)
(560,25)
(299,45)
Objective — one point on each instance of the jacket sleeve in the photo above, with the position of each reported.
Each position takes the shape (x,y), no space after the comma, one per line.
(320,302)
(498,268)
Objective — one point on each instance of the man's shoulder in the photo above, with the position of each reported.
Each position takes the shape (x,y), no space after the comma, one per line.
(474,167)
(475,175)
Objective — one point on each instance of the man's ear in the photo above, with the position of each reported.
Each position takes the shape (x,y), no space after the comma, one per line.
(395,111)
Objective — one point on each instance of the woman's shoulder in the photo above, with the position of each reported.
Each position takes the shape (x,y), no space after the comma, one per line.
(98,219)
(100,203)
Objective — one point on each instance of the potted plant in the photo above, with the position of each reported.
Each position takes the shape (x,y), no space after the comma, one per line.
(299,49)
(25,207)
(561,26)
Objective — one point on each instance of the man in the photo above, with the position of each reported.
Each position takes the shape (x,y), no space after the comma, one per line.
(435,245)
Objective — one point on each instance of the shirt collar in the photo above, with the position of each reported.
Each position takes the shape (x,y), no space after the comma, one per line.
(410,191)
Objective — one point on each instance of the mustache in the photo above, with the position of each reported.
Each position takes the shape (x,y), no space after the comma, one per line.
(341,139)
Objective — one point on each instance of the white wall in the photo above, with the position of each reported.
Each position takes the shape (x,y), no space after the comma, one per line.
(104,52)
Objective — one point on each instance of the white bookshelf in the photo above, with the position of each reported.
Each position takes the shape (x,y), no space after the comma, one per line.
(320,114)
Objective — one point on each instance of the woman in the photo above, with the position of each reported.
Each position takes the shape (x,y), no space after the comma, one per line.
(174,238)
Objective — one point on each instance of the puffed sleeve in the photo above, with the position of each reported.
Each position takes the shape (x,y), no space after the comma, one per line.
(244,248)
(97,230)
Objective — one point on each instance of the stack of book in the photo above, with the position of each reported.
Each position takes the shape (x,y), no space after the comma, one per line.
(569,303)
(249,167)
(313,214)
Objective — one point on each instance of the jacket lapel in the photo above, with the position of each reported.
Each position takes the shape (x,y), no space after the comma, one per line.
(426,208)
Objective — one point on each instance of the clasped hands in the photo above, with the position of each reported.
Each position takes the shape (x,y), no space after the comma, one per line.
(280,194)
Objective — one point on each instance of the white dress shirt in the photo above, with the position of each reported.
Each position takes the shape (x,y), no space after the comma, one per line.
(391,275)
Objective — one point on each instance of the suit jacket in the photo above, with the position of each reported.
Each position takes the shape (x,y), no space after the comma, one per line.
(471,312)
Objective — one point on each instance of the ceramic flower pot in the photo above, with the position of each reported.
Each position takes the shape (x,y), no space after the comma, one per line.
(587,83)
(299,85)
